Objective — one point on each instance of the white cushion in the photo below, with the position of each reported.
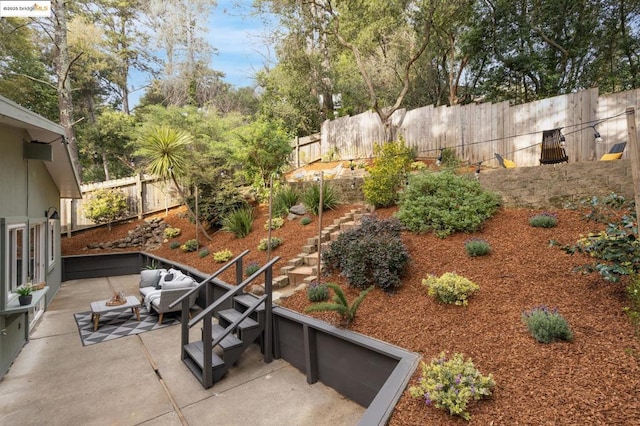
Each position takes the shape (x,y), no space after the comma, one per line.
(179,284)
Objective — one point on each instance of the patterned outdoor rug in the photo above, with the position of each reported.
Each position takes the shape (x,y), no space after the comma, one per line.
(116,324)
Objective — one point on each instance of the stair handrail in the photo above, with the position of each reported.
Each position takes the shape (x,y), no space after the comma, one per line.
(231,292)
(237,322)
(208,279)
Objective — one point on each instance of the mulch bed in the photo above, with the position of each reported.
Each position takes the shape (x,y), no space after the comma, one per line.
(593,380)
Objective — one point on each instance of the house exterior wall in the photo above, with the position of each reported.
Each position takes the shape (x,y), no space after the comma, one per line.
(27,191)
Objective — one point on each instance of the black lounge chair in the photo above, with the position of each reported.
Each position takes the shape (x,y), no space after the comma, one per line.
(552,150)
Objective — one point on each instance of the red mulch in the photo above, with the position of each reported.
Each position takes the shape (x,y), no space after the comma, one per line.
(593,380)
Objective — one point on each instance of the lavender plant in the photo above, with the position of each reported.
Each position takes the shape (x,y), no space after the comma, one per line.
(547,325)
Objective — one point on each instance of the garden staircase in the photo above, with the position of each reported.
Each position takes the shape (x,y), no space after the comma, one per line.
(223,341)
(303,269)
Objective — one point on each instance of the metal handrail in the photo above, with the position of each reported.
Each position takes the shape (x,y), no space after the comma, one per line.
(231,292)
(212,276)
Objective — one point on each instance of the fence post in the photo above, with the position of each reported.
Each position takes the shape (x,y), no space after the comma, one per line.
(139,193)
(634,151)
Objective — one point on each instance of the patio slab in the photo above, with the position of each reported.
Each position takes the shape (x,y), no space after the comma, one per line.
(141,379)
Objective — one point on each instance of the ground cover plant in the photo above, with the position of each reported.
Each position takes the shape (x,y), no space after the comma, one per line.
(445,203)
(544,220)
(477,247)
(536,384)
(451,288)
(547,325)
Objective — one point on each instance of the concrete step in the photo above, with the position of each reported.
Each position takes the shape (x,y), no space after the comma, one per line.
(307,249)
(280,281)
(311,259)
(346,226)
(295,262)
(285,269)
(298,275)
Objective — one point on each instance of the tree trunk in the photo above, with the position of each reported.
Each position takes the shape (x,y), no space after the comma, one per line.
(62,65)
(105,166)
(191,212)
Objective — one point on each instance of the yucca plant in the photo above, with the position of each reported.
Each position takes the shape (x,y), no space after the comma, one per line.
(239,222)
(284,199)
(340,304)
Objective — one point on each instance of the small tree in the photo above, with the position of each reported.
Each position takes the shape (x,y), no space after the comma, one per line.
(106,206)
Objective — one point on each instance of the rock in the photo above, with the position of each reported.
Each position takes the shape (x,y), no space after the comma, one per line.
(298,209)
(257,289)
(293,217)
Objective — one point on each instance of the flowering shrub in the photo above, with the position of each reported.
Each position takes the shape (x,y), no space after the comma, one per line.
(371,254)
(222,256)
(275,242)
(451,383)
(251,268)
(544,220)
(189,245)
(276,223)
(477,247)
(171,232)
(387,174)
(546,324)
(451,288)
(317,292)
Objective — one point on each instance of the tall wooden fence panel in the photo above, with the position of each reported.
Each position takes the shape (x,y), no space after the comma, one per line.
(478,131)
(145,195)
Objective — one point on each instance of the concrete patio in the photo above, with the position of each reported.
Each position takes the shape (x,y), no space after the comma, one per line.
(141,380)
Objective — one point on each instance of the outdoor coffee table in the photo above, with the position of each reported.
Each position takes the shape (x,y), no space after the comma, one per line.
(101,307)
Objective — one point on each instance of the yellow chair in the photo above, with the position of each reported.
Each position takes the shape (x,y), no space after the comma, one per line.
(615,153)
(507,164)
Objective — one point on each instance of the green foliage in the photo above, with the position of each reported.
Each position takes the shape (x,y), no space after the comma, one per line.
(451,288)
(544,220)
(445,203)
(477,247)
(547,325)
(275,242)
(616,248)
(239,222)
(165,150)
(387,174)
(266,149)
(311,198)
(222,256)
(174,245)
(285,198)
(633,296)
(370,254)
(24,290)
(203,253)
(275,223)
(317,292)
(340,303)
(106,206)
(449,159)
(189,246)
(171,232)
(305,220)
(251,268)
(450,384)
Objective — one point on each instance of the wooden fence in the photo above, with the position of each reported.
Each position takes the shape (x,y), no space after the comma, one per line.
(478,131)
(145,194)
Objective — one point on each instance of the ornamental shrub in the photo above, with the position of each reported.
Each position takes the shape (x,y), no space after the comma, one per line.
(451,288)
(317,292)
(451,384)
(251,268)
(340,304)
(106,206)
(222,256)
(371,254)
(311,198)
(305,220)
(544,220)
(388,173)
(616,248)
(203,253)
(171,232)
(276,223)
(239,222)
(477,247)
(174,245)
(547,325)
(445,203)
(275,242)
(189,245)
(633,295)
(284,199)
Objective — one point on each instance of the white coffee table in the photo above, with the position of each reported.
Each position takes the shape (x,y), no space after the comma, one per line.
(101,307)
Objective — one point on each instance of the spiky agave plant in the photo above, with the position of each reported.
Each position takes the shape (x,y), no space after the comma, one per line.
(340,303)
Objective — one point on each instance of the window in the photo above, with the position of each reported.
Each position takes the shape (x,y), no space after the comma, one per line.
(36,252)
(16,256)
(51,243)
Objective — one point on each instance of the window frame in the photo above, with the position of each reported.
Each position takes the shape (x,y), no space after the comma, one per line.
(37,244)
(50,241)
(14,274)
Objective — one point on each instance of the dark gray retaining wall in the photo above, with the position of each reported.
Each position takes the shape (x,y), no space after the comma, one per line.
(368,371)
